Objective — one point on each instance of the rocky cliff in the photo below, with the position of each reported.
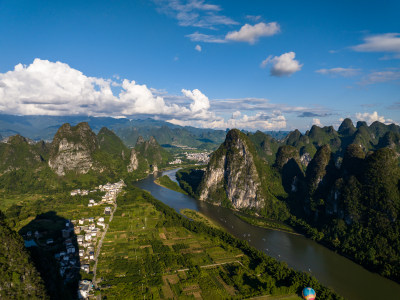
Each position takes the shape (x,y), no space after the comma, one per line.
(72,149)
(133,162)
(236,176)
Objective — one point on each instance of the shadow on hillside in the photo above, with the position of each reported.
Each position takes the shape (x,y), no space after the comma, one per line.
(53,246)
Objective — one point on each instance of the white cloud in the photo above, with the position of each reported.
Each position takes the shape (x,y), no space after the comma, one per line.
(195,13)
(259,121)
(247,33)
(284,65)
(54,88)
(200,104)
(344,72)
(48,88)
(317,122)
(253,18)
(251,33)
(236,114)
(381,76)
(370,117)
(198,48)
(206,38)
(388,42)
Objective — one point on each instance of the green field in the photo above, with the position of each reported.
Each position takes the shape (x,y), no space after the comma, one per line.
(141,247)
(152,252)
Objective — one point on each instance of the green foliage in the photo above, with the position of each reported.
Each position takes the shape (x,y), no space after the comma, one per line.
(189,180)
(19,278)
(354,209)
(165,181)
(152,153)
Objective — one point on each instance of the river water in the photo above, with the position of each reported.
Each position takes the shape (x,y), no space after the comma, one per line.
(341,274)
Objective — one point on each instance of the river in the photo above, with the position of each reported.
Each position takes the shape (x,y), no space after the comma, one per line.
(341,274)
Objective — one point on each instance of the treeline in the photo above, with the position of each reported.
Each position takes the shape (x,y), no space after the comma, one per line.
(276,277)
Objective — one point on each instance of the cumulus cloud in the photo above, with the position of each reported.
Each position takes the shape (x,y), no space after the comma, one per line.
(284,65)
(54,88)
(200,106)
(198,48)
(372,117)
(247,33)
(344,72)
(251,33)
(317,122)
(388,42)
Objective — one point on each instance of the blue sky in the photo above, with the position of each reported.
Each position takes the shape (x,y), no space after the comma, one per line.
(268,65)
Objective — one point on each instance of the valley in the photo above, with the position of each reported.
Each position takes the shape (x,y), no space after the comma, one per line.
(88,236)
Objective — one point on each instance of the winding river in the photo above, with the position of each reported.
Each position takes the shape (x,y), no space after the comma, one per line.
(341,274)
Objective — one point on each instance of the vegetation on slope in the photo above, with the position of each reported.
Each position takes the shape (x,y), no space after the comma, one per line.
(19,278)
(166,182)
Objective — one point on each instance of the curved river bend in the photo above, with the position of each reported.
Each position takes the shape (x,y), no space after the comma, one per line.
(344,276)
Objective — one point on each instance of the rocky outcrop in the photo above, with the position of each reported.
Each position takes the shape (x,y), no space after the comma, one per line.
(232,175)
(72,149)
(133,162)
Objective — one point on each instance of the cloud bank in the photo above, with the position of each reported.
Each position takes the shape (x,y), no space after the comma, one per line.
(372,117)
(54,88)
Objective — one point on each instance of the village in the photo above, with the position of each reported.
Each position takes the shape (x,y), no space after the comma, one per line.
(78,243)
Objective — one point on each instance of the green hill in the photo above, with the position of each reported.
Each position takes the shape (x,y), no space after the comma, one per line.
(19,278)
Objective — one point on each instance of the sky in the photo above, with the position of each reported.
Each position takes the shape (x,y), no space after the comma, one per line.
(254,65)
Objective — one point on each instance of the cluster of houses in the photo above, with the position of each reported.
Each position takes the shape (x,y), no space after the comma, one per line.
(176,161)
(67,257)
(75,255)
(202,157)
(89,229)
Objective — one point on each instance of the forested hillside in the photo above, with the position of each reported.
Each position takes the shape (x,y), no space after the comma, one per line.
(341,188)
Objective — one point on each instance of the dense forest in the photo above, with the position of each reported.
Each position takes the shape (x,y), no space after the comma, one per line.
(343,188)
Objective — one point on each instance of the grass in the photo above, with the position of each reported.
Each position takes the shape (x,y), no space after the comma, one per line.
(6,199)
(197,216)
(265,223)
(166,182)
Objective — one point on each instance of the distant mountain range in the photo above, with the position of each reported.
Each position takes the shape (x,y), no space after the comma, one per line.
(166,134)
